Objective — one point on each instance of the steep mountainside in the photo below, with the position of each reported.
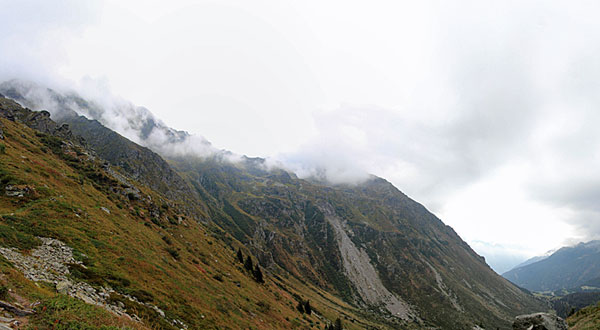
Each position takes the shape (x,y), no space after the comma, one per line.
(366,251)
(136,161)
(368,243)
(84,246)
(567,268)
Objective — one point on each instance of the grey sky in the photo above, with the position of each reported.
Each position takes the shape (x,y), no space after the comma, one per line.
(486,112)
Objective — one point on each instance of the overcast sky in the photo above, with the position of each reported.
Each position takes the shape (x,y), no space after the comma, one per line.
(486,112)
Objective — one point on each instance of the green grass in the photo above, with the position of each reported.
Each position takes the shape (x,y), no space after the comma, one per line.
(66,313)
(127,251)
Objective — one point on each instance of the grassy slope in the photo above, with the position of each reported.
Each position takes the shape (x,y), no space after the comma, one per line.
(585,319)
(126,249)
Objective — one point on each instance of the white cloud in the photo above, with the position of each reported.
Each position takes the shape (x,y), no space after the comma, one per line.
(485,112)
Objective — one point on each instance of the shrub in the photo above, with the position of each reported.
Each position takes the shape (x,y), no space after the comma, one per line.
(263,306)
(258,276)
(142,295)
(307,308)
(2,149)
(174,253)
(248,264)
(3,292)
(167,240)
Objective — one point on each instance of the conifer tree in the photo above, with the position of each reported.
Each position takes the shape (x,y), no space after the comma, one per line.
(240,256)
(338,324)
(300,307)
(258,276)
(248,263)
(307,308)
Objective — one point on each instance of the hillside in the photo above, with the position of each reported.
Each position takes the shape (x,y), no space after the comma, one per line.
(567,268)
(366,253)
(415,256)
(137,258)
(586,319)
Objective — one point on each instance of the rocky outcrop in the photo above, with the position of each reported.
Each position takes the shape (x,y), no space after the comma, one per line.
(38,120)
(14,309)
(19,191)
(539,321)
(49,263)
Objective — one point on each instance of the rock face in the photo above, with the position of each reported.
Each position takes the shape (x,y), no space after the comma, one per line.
(360,271)
(38,120)
(539,321)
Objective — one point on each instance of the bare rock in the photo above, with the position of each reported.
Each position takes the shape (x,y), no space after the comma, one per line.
(539,321)
(15,310)
(63,287)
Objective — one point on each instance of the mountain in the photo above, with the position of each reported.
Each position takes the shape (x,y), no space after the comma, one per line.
(85,246)
(569,267)
(534,259)
(165,233)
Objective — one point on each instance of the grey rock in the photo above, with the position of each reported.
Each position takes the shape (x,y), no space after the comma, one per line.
(63,287)
(539,321)
(14,191)
(15,310)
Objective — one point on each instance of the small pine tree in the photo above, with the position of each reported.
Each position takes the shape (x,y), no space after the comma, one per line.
(300,307)
(307,308)
(248,263)
(240,256)
(258,276)
(338,324)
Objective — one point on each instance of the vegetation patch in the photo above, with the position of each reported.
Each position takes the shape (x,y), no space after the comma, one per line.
(62,312)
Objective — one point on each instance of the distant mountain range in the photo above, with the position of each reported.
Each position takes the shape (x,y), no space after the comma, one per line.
(567,268)
(534,259)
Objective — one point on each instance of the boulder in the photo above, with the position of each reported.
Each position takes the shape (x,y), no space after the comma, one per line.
(63,287)
(539,321)
(19,190)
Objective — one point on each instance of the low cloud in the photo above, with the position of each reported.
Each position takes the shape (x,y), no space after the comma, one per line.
(94,100)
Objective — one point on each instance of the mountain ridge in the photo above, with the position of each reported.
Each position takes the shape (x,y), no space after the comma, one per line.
(567,268)
(305,231)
